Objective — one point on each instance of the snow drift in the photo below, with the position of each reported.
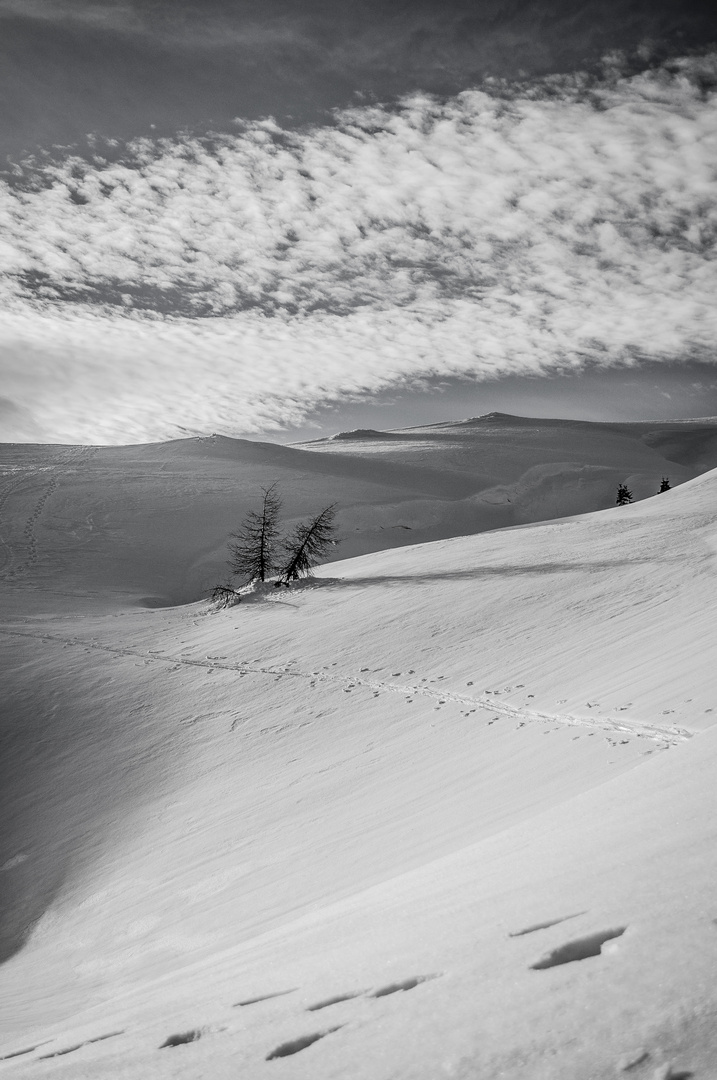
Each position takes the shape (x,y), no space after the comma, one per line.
(150,523)
(446,811)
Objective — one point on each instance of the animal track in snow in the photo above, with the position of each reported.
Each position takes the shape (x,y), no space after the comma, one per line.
(101,1038)
(180,1040)
(263,997)
(71,1049)
(544,925)
(334,1000)
(19,1053)
(29,530)
(406,984)
(579,949)
(632,1060)
(295,1045)
(59,1053)
(5,494)
(673,735)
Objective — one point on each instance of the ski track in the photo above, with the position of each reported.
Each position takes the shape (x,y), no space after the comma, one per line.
(670,736)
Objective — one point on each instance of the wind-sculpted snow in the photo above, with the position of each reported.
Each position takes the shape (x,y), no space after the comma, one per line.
(150,524)
(444,810)
(663,734)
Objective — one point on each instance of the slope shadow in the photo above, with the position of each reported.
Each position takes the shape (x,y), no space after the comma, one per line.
(34,860)
(28,890)
(695,448)
(67,784)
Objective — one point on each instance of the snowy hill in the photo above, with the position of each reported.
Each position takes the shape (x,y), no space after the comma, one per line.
(446,811)
(150,523)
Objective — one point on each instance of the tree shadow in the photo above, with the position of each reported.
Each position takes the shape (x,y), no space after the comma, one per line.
(509,570)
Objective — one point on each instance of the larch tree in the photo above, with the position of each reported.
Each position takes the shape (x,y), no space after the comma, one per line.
(254,548)
(307,545)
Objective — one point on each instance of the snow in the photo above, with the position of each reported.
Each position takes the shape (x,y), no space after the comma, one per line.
(465,788)
(149,524)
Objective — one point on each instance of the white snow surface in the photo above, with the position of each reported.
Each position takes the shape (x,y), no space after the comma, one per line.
(82,525)
(390,792)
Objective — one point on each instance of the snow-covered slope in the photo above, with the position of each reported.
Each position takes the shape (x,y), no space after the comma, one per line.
(150,523)
(447,811)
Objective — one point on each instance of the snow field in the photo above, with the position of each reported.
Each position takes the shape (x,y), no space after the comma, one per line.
(466,787)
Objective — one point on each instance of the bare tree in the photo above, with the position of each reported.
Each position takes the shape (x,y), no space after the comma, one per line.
(308,544)
(254,548)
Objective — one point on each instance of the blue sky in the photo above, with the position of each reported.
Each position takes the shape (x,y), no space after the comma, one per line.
(273,219)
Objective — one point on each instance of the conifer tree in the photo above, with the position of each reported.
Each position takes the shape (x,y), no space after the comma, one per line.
(308,543)
(254,550)
(664,485)
(624,495)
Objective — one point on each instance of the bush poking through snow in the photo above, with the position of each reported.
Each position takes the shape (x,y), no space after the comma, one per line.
(225,596)
(664,485)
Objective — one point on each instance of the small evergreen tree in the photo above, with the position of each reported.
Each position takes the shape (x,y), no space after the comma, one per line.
(624,495)
(664,485)
(254,550)
(308,543)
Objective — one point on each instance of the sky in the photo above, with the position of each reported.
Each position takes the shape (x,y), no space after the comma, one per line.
(274,219)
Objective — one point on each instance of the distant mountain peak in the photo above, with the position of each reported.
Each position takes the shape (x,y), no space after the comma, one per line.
(358,433)
(491,416)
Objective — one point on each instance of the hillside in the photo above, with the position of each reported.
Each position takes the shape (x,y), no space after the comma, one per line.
(150,523)
(447,810)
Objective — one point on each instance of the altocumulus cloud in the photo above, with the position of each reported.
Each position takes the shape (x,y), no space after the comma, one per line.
(234,282)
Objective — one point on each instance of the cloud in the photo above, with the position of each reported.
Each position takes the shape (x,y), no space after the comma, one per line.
(236,282)
(457,38)
(184,24)
(97,15)
(17,424)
